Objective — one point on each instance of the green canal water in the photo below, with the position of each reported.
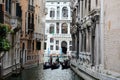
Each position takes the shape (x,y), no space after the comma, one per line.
(37,73)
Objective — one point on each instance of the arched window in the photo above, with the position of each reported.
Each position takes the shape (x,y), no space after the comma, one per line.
(64,47)
(57,27)
(65,12)
(51,30)
(52,12)
(64,28)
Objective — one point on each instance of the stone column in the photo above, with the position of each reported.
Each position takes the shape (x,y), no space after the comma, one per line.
(97,44)
(93,45)
(81,9)
(87,40)
(90,43)
(80,41)
(55,28)
(69,28)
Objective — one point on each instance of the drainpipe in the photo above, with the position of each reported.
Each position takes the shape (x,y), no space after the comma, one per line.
(102,31)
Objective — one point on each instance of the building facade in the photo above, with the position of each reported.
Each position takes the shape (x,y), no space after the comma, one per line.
(26,19)
(57,27)
(10,14)
(32,33)
(94,31)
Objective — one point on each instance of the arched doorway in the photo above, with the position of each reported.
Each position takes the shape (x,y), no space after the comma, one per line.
(64,47)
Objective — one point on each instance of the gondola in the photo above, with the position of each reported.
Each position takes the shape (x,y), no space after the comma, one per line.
(55,66)
(46,65)
(65,64)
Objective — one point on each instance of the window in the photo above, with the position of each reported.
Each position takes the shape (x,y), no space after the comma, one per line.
(57,47)
(51,47)
(64,12)
(45,45)
(64,28)
(57,42)
(29,44)
(52,12)
(51,40)
(1,13)
(18,10)
(51,30)
(38,46)
(70,48)
(70,43)
(57,27)
(58,12)
(8,6)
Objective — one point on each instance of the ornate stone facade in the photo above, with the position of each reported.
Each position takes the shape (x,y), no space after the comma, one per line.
(93,41)
(58,22)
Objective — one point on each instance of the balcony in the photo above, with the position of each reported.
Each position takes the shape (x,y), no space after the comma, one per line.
(38,36)
(31,8)
(61,35)
(16,23)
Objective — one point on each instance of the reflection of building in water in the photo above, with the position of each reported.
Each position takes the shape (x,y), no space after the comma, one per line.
(57,27)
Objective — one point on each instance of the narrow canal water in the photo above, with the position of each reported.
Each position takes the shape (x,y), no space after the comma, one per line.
(37,73)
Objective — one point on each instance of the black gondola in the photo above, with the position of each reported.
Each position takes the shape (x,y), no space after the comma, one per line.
(65,64)
(55,66)
(46,65)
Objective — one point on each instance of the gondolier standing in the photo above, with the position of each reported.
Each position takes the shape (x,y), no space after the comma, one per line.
(51,60)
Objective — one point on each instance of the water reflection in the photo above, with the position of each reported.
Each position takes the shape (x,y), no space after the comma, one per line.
(38,73)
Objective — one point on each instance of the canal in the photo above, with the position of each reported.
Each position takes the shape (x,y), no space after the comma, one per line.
(37,73)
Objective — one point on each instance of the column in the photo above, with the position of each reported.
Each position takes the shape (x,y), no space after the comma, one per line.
(55,28)
(93,45)
(81,9)
(60,13)
(80,41)
(69,28)
(68,46)
(87,41)
(98,42)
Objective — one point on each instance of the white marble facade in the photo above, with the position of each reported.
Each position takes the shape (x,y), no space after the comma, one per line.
(57,27)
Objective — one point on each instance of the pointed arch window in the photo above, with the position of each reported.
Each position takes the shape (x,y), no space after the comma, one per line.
(52,12)
(51,30)
(64,28)
(65,12)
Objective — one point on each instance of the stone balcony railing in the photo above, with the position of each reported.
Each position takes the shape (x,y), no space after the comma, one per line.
(31,8)
(73,53)
(62,35)
(15,22)
(96,72)
(38,36)
(85,58)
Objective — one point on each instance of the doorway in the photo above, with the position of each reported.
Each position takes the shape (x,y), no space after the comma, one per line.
(64,47)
